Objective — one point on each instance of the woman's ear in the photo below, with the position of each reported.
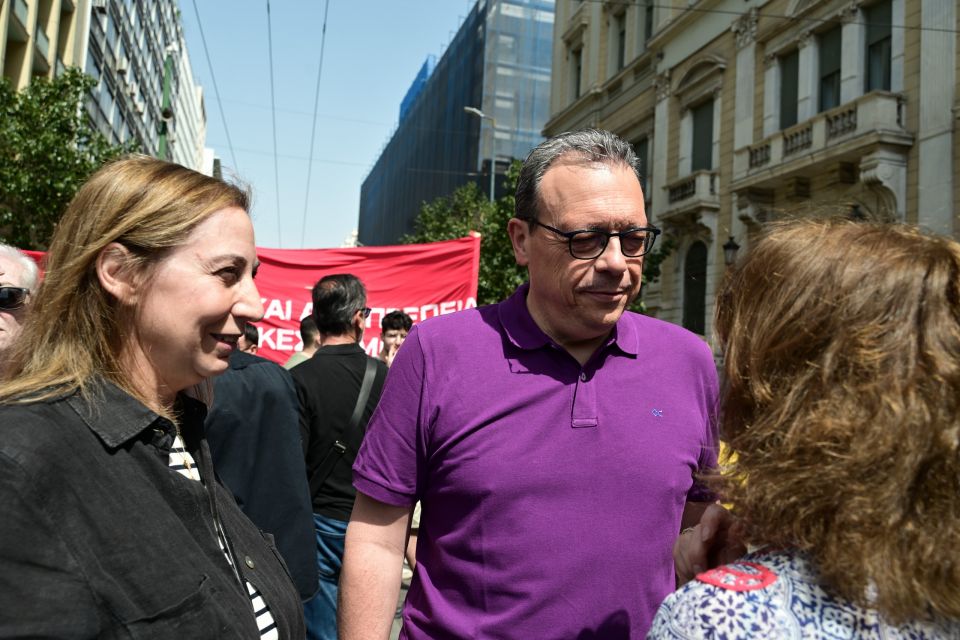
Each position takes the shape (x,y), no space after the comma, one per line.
(116,275)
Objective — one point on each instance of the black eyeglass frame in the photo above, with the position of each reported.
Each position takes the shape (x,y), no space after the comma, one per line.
(366,312)
(605,238)
(24,292)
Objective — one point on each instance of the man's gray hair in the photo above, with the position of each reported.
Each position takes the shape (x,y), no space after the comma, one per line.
(31,274)
(585,145)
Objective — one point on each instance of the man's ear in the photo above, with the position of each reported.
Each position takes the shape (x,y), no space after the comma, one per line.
(115,273)
(519,231)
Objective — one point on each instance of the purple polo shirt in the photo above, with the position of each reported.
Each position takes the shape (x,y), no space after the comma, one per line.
(552,492)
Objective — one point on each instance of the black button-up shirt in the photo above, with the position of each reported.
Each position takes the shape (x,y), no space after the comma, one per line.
(100,538)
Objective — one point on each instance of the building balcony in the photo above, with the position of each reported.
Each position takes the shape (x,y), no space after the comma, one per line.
(41,42)
(690,196)
(843,134)
(18,26)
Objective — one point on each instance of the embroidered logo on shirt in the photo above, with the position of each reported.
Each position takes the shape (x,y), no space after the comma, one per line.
(743,576)
(657,413)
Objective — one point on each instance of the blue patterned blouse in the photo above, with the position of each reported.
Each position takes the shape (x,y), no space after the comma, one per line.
(776,595)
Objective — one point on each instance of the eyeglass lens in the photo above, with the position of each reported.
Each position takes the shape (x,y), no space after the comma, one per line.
(590,244)
(12,297)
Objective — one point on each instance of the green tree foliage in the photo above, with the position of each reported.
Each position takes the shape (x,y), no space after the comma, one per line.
(467,209)
(47,150)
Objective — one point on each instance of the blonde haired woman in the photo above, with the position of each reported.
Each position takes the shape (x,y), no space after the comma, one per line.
(114,524)
(842,404)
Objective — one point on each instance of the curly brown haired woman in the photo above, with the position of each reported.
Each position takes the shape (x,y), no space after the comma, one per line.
(842,363)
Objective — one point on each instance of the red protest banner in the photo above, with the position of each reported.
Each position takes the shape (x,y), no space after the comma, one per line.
(424,280)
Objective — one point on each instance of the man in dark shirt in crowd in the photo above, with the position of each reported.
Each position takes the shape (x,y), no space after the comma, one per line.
(328,388)
(252,430)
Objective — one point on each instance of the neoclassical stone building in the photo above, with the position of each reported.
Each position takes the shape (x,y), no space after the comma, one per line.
(744,112)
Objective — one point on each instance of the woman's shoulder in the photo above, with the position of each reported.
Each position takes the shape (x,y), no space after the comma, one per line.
(775,594)
(743,599)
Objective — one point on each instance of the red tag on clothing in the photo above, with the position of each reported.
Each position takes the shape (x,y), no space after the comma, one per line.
(734,578)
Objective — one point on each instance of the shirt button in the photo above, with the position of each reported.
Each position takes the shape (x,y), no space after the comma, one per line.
(248,561)
(583,377)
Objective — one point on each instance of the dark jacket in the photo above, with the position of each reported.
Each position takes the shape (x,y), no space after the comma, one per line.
(254,437)
(100,538)
(327,386)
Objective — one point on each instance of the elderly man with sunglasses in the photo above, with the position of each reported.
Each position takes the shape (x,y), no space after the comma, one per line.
(553,438)
(18,280)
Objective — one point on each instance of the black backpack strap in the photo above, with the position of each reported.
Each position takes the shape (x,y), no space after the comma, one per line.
(352,436)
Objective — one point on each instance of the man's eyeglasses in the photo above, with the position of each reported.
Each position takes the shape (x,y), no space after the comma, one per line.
(587,244)
(13,297)
(366,312)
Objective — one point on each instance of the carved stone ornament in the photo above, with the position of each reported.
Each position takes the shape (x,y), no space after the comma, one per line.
(805,38)
(662,83)
(850,13)
(745,28)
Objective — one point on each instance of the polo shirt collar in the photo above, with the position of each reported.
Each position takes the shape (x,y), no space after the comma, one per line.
(340,349)
(523,331)
(116,417)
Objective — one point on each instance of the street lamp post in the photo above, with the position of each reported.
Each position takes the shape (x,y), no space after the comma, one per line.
(493,141)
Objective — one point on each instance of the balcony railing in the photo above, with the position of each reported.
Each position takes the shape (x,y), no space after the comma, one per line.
(877,112)
(691,194)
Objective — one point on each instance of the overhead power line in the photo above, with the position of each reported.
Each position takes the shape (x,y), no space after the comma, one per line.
(313,131)
(273,112)
(216,90)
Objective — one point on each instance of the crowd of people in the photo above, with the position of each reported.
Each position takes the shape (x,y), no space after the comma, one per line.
(547,466)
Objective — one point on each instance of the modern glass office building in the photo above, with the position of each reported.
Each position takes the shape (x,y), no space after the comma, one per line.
(499,64)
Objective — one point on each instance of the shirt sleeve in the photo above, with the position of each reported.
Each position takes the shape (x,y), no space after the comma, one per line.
(390,460)
(42,590)
(709,452)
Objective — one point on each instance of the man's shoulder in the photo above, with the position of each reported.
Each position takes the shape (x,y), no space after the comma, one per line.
(655,330)
(250,371)
(457,326)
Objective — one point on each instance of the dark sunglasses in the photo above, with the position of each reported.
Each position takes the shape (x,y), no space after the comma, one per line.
(366,312)
(13,297)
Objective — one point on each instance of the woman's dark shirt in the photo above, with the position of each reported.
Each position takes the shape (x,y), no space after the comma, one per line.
(99,538)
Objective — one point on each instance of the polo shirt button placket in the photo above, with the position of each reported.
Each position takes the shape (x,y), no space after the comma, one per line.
(583,376)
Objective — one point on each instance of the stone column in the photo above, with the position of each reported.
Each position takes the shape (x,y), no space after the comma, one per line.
(807,87)
(854,35)
(661,129)
(745,29)
(935,136)
(771,95)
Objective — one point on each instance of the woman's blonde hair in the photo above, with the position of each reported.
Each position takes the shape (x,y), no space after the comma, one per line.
(74,329)
(842,385)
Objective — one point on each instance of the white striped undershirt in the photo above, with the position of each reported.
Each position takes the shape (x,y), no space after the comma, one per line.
(182,462)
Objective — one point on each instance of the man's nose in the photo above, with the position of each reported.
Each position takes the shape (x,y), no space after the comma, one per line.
(612,258)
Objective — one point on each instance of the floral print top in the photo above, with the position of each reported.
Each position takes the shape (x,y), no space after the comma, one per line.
(777,595)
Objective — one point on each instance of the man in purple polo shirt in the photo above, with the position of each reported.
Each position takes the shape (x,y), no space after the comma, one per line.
(553,438)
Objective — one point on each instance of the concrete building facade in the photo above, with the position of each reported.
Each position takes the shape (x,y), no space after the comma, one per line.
(748,112)
(38,38)
(136,53)
(498,63)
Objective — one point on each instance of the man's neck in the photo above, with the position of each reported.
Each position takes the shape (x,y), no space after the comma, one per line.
(343,338)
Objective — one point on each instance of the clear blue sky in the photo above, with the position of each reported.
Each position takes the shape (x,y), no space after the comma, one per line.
(373,51)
